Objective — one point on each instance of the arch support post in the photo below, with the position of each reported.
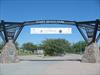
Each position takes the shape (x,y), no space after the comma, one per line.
(9,51)
(92,52)
(9,54)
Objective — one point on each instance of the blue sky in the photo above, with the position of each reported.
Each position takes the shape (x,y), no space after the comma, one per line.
(27,10)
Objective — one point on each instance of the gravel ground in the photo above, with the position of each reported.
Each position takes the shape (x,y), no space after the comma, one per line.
(50,67)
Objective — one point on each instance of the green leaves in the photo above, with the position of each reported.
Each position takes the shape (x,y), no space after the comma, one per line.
(29,46)
(1,46)
(79,47)
(55,46)
(52,47)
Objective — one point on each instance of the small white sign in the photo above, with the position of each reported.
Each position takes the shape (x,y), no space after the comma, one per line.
(51,31)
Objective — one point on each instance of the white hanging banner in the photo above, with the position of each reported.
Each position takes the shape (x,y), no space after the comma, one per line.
(51,31)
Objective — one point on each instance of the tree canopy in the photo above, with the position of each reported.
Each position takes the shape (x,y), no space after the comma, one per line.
(1,46)
(55,46)
(78,47)
(29,46)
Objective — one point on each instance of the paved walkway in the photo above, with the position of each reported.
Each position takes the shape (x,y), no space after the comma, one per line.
(73,68)
(50,67)
(24,68)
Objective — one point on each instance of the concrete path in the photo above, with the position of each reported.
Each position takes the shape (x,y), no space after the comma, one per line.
(73,68)
(50,67)
(24,68)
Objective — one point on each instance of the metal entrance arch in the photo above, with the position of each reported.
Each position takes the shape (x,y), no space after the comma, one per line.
(9,32)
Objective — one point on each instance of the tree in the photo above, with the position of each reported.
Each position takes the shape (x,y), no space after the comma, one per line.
(1,46)
(55,46)
(79,47)
(17,45)
(29,46)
